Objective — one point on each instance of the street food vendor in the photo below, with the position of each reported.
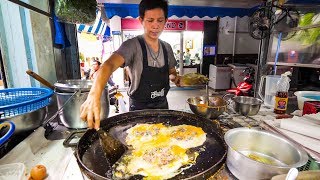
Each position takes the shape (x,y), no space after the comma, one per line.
(150,62)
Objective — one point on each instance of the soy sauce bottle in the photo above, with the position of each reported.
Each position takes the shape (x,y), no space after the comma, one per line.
(281,97)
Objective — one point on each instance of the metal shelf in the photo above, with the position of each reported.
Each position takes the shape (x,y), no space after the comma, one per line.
(295,64)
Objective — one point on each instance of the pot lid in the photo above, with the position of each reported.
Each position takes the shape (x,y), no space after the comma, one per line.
(73,85)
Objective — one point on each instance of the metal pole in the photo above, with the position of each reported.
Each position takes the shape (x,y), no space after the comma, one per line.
(181,55)
(234,38)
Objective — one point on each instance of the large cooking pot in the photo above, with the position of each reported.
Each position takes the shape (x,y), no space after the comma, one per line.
(95,165)
(269,154)
(71,94)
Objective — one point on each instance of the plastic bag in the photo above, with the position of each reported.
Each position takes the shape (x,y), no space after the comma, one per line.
(76,11)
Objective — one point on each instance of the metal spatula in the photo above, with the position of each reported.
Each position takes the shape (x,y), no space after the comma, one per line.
(112,147)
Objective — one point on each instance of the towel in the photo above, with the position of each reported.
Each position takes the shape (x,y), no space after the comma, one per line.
(60,37)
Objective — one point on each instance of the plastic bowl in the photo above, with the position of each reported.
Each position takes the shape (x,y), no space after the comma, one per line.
(303,96)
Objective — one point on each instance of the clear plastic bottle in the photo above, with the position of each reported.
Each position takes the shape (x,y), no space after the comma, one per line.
(281,97)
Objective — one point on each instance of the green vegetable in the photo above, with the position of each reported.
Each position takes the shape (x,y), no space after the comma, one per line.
(308,36)
(76,11)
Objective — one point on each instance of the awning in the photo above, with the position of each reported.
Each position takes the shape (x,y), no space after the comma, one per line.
(99,28)
(132,10)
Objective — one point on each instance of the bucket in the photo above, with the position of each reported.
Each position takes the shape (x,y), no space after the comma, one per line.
(76,92)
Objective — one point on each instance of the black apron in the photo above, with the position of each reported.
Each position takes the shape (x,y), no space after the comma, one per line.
(154,83)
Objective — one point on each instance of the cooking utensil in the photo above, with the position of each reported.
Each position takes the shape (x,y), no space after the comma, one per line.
(303,175)
(17,101)
(209,107)
(29,121)
(72,85)
(95,165)
(292,174)
(70,113)
(257,154)
(40,79)
(112,147)
(247,106)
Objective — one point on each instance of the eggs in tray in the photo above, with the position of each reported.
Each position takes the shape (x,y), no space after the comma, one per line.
(158,151)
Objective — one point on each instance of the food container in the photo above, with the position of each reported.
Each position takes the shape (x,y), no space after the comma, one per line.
(29,121)
(14,171)
(303,96)
(247,106)
(71,94)
(200,106)
(269,153)
(311,107)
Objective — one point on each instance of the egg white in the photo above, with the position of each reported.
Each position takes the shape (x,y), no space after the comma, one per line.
(158,151)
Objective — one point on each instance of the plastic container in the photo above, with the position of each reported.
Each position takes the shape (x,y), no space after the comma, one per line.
(16,101)
(14,171)
(303,96)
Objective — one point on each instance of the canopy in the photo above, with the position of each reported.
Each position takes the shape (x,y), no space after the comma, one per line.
(99,28)
(132,10)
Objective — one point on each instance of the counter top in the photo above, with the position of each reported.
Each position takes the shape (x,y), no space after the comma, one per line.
(61,163)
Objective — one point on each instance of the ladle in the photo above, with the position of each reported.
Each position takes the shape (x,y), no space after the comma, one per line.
(40,79)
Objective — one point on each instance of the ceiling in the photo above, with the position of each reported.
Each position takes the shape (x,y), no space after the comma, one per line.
(211,3)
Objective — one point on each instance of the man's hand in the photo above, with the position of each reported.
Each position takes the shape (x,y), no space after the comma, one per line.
(90,111)
(173,76)
(177,81)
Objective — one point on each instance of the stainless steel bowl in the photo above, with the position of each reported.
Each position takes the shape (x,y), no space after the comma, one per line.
(29,121)
(270,154)
(200,106)
(247,106)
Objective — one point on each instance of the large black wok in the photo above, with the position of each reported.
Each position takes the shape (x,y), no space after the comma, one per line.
(95,165)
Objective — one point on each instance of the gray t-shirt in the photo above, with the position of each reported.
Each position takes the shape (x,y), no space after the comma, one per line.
(131,51)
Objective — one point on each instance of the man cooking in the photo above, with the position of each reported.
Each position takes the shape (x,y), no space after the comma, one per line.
(150,61)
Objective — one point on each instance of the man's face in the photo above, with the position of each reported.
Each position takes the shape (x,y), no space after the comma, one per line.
(95,66)
(153,23)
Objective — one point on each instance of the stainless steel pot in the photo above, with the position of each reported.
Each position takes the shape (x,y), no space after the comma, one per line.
(247,106)
(75,91)
(29,121)
(269,154)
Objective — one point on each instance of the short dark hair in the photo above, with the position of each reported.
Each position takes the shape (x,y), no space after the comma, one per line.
(153,4)
(98,62)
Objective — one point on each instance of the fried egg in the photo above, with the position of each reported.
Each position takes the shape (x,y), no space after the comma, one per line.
(159,151)
(143,133)
(186,136)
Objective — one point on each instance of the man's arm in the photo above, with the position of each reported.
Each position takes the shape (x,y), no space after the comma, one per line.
(90,109)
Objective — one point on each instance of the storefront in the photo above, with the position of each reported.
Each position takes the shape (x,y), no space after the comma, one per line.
(184,36)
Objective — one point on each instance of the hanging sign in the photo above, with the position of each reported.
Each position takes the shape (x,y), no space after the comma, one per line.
(171,25)
(175,25)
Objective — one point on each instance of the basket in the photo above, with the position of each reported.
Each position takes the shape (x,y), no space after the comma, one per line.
(16,101)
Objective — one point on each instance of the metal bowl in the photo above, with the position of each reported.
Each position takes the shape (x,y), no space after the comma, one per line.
(247,106)
(29,121)
(269,153)
(200,106)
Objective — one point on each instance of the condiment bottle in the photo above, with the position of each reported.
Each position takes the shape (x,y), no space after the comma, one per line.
(281,97)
